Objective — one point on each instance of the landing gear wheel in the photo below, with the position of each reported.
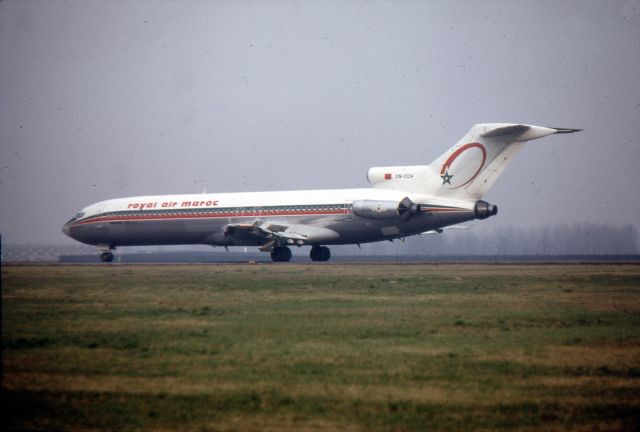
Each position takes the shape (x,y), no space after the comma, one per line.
(281,254)
(320,253)
(106,256)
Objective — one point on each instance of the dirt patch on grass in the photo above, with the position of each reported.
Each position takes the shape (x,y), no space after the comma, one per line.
(620,357)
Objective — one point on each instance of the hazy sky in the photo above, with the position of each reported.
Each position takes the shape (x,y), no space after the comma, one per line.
(103,99)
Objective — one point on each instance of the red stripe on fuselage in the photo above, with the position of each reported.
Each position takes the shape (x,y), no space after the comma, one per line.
(202,215)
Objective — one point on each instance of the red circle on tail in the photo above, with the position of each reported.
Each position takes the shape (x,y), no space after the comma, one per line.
(457,153)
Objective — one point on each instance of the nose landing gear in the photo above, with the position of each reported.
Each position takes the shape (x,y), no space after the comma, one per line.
(106,256)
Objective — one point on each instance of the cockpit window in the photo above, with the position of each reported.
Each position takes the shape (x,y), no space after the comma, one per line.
(79,215)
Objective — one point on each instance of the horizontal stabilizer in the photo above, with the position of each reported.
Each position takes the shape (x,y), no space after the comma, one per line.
(505,131)
(566,130)
(519,132)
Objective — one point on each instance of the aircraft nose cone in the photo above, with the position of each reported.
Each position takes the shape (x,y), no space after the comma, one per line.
(66,229)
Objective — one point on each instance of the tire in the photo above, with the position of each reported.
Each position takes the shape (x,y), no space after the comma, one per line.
(320,253)
(106,256)
(281,254)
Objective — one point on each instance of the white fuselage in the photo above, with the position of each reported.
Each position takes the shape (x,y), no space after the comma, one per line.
(202,218)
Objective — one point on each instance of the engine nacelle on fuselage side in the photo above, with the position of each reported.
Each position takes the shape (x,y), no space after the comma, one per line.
(373,209)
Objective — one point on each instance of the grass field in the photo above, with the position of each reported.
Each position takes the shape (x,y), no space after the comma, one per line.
(322,347)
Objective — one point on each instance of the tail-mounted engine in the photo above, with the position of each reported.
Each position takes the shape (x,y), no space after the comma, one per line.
(373,209)
(407,209)
(484,210)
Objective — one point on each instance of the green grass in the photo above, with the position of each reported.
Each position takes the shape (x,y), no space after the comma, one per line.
(322,347)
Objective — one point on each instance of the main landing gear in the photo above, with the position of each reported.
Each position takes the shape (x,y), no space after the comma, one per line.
(320,253)
(283,253)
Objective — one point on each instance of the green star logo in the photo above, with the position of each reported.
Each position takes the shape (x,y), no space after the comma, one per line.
(446,178)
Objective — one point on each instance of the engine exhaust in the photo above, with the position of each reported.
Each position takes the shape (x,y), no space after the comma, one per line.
(484,210)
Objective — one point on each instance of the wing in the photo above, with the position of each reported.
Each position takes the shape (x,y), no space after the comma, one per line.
(281,233)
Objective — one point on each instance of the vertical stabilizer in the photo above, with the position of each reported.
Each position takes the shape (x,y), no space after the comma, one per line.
(469,168)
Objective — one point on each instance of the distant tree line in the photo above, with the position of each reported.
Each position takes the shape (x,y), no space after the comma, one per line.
(572,239)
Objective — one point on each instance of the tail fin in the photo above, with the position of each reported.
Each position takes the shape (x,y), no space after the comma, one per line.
(469,168)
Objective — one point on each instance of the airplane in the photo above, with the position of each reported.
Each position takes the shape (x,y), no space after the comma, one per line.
(404,201)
